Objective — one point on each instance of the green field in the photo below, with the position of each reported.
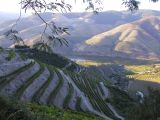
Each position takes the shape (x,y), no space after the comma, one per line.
(144,77)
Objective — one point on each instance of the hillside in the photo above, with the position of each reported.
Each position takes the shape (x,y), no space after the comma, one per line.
(144,76)
(33,111)
(7,16)
(82,26)
(39,81)
(49,83)
(139,39)
(101,77)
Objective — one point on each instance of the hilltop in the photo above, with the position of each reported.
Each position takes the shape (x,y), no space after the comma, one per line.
(138,39)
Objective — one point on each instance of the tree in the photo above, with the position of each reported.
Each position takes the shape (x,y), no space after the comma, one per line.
(149,109)
(133,4)
(13,35)
(57,33)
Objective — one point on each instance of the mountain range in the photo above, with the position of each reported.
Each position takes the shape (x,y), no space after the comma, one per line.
(139,39)
(106,91)
(5,16)
(124,33)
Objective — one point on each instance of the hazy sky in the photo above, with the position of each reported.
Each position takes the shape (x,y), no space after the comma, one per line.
(13,6)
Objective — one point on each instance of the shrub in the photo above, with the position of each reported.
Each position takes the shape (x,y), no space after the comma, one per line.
(11,55)
(11,109)
(23,56)
(1,49)
(149,109)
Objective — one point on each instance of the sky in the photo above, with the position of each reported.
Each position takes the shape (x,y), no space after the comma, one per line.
(12,6)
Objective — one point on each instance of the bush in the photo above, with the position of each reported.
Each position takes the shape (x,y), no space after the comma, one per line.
(49,58)
(149,109)
(121,100)
(11,109)
(11,55)
(23,56)
(1,49)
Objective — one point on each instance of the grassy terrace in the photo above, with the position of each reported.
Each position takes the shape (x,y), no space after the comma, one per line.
(42,89)
(88,86)
(49,58)
(69,96)
(30,80)
(101,90)
(17,71)
(57,88)
(15,110)
(99,102)
(4,80)
(96,74)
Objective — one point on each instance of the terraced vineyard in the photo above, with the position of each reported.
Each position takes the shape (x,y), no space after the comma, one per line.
(149,73)
(144,76)
(147,77)
(95,93)
(32,87)
(77,89)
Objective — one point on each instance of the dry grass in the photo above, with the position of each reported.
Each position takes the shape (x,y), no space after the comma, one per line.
(88,63)
(139,68)
(145,76)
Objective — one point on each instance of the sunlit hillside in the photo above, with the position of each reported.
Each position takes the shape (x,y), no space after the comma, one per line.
(148,73)
(138,39)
